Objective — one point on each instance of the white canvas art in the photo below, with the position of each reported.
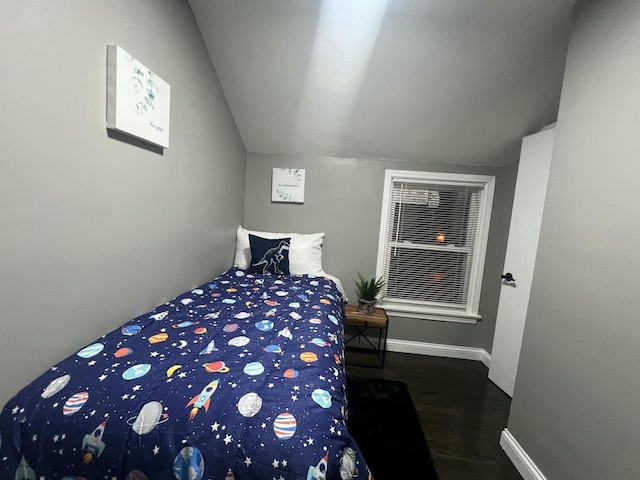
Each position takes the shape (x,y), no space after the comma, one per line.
(138,100)
(287,185)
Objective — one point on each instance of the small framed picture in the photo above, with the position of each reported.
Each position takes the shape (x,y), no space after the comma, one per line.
(287,185)
(138,100)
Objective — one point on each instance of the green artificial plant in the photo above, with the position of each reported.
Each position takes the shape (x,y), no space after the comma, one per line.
(369,289)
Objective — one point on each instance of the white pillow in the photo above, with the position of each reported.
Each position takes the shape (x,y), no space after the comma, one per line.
(305,252)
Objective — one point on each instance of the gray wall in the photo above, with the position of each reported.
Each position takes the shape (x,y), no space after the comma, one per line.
(343,198)
(95,230)
(575,408)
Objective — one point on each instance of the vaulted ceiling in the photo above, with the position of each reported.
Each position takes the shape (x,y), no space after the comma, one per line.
(458,81)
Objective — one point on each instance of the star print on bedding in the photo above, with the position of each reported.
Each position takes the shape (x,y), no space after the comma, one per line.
(241,378)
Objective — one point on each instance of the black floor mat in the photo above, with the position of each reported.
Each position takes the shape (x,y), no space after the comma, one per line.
(383,421)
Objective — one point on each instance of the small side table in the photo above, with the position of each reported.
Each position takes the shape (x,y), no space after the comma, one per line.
(362,322)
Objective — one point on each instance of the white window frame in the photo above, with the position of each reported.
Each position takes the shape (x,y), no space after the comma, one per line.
(417,309)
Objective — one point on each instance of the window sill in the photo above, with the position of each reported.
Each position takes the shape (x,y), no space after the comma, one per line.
(421,313)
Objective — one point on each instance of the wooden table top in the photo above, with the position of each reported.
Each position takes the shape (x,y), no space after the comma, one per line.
(378,318)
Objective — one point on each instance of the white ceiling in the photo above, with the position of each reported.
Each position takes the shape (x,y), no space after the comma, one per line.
(458,81)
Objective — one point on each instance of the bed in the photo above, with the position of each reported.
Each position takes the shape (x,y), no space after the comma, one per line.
(240,378)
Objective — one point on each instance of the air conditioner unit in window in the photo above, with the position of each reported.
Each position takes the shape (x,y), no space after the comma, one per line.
(430,198)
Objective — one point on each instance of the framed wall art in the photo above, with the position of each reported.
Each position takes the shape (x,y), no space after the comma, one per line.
(138,100)
(287,185)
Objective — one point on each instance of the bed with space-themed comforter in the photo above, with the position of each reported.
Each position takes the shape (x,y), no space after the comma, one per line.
(242,377)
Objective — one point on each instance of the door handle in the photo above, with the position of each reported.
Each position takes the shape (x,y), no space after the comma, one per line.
(508,277)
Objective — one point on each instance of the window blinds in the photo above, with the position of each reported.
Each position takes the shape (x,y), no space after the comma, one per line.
(431,241)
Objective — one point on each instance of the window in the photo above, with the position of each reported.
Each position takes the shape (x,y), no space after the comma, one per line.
(433,237)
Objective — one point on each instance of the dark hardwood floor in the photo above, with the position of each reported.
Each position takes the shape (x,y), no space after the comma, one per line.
(461,411)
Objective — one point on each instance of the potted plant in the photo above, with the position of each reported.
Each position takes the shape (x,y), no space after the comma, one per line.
(368,291)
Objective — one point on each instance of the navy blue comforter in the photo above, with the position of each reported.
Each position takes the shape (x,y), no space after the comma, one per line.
(240,378)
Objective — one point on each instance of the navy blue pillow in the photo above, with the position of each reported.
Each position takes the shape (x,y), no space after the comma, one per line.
(269,255)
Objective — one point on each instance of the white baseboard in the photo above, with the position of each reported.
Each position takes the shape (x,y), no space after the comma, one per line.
(519,457)
(439,350)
